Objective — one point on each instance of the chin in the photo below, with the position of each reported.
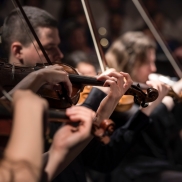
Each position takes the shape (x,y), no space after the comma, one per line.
(143,81)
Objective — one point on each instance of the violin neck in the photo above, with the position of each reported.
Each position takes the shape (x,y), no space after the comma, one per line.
(85,80)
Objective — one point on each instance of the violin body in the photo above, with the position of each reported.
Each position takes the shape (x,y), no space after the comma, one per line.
(100,131)
(125,103)
(84,94)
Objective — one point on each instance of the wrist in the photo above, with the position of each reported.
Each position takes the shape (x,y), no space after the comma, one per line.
(113,101)
(106,90)
(168,102)
(40,77)
(148,110)
(94,99)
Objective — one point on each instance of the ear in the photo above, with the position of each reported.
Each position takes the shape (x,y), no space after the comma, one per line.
(16,50)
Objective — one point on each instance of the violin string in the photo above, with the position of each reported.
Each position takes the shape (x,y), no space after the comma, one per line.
(27,30)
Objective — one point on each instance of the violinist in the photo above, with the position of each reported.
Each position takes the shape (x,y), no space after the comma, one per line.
(158,147)
(23,53)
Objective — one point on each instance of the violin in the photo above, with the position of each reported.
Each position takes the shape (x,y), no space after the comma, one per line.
(101,131)
(11,75)
(14,74)
(79,82)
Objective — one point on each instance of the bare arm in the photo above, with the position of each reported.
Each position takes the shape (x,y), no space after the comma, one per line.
(51,74)
(22,155)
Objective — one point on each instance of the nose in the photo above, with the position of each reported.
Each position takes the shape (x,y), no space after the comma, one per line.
(59,52)
(58,55)
(153,68)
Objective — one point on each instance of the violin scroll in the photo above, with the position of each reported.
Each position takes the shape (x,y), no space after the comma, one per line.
(103,130)
(141,97)
(152,94)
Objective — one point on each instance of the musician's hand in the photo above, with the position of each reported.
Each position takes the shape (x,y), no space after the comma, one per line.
(55,74)
(51,74)
(117,84)
(177,87)
(163,90)
(68,136)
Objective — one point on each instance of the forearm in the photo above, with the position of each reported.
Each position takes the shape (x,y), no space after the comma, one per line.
(168,102)
(22,155)
(58,160)
(26,140)
(106,108)
(33,81)
(98,102)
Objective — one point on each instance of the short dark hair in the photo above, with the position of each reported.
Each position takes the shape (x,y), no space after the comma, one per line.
(14,29)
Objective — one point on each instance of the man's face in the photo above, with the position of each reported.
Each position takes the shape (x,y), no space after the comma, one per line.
(49,37)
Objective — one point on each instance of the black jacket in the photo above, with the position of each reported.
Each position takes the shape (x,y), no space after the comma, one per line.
(157,149)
